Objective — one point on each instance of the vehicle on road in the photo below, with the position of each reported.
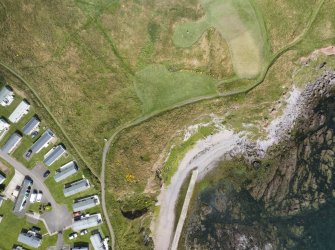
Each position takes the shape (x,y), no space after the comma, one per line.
(46,174)
(73,236)
(39,196)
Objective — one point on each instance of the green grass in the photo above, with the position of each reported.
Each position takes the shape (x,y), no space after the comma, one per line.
(303,74)
(159,89)
(284,20)
(11,226)
(10,173)
(239,25)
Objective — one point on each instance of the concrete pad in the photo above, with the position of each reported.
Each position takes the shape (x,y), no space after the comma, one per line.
(3,168)
(16,181)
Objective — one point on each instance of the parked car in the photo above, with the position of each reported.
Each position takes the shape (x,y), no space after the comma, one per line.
(33,196)
(76,214)
(33,134)
(46,174)
(39,196)
(83,232)
(73,236)
(28,154)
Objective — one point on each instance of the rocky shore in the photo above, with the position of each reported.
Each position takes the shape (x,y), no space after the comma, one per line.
(291,179)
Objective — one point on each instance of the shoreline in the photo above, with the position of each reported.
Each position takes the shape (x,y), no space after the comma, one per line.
(225,145)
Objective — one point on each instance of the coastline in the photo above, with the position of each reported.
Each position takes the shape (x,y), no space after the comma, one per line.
(226,144)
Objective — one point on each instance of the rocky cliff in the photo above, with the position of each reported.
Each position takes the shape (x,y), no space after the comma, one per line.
(285,192)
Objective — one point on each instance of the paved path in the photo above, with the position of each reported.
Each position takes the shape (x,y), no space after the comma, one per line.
(103,192)
(184,210)
(60,241)
(205,155)
(59,217)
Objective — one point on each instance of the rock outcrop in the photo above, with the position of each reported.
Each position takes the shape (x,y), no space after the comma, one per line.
(294,181)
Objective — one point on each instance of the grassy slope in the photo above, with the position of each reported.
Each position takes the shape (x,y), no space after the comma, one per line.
(284,20)
(253,108)
(107,62)
(239,25)
(78,58)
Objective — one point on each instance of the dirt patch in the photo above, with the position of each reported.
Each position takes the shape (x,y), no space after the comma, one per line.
(4,169)
(328,51)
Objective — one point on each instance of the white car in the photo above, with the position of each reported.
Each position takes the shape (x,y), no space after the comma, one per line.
(73,236)
(33,197)
(39,196)
(83,232)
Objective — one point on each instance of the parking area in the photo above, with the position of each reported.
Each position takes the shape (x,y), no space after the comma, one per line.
(16,181)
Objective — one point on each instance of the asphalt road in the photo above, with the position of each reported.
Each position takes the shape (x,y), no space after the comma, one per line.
(59,217)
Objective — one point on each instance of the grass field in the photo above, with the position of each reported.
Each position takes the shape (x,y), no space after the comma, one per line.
(284,20)
(239,26)
(98,65)
(9,232)
(159,89)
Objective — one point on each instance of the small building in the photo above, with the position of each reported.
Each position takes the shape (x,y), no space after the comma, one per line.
(4,127)
(23,195)
(21,110)
(6,96)
(86,222)
(54,154)
(86,203)
(42,142)
(76,187)
(13,141)
(97,242)
(66,171)
(29,239)
(2,178)
(31,125)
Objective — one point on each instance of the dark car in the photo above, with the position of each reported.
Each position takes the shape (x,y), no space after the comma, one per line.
(46,174)
(33,135)
(28,154)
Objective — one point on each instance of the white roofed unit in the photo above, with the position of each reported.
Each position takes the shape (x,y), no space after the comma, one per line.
(2,178)
(21,110)
(80,248)
(43,141)
(31,125)
(97,242)
(29,239)
(12,143)
(76,187)
(4,127)
(87,222)
(6,96)
(66,171)
(86,203)
(54,154)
